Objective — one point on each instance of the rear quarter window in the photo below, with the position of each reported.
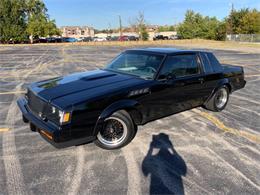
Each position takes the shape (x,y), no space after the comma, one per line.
(206,63)
(214,63)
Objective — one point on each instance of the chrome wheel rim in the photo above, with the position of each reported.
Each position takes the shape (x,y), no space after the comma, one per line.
(221,98)
(113,133)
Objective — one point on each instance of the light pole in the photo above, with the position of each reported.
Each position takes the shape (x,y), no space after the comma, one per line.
(120,25)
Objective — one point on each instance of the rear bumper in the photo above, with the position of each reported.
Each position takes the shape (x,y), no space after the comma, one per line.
(241,85)
(244,84)
(237,85)
(58,136)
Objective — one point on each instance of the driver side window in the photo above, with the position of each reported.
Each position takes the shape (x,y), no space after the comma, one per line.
(180,66)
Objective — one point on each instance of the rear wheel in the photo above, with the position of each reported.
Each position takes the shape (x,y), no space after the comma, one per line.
(118,130)
(219,100)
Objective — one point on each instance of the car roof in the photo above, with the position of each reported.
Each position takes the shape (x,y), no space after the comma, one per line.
(162,50)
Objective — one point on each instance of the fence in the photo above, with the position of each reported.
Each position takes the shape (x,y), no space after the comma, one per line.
(243,37)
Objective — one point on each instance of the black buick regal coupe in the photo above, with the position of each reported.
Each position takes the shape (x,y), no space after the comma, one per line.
(138,86)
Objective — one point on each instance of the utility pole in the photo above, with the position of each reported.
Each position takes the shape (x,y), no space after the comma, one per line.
(231,15)
(109,29)
(120,25)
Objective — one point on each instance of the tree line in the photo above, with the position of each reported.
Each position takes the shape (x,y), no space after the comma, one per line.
(243,21)
(21,20)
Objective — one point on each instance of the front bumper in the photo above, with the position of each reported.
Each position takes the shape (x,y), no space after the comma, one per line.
(52,133)
(58,136)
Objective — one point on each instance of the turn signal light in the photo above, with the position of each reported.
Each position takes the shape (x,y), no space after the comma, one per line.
(66,117)
(48,135)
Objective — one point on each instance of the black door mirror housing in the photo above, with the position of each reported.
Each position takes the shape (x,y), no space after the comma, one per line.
(167,77)
(170,76)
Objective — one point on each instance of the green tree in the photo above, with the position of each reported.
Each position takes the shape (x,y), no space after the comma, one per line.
(143,33)
(197,26)
(12,21)
(221,31)
(51,28)
(20,19)
(166,28)
(139,26)
(234,21)
(211,26)
(192,26)
(250,22)
(243,21)
(39,23)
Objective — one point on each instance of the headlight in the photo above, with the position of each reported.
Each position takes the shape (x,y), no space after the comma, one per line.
(64,117)
(53,110)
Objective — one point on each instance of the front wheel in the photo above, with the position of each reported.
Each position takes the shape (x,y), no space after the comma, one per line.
(219,100)
(118,130)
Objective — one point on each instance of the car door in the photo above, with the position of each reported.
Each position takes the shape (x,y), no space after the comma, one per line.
(178,87)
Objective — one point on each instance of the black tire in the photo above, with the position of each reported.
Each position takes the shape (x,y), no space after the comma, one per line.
(33,127)
(118,123)
(214,103)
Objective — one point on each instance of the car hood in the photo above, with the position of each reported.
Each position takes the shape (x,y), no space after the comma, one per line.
(72,88)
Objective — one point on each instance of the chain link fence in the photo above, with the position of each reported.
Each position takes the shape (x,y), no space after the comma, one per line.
(243,37)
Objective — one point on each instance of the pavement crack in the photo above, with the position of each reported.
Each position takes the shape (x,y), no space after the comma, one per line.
(222,126)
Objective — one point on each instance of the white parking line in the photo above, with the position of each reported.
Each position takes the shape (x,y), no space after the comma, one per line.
(12,92)
(4,129)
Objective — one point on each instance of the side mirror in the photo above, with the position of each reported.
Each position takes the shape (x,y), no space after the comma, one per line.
(170,76)
(167,77)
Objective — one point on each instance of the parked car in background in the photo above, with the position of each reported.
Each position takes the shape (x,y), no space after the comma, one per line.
(114,38)
(25,41)
(80,39)
(123,38)
(138,86)
(40,40)
(128,38)
(173,37)
(54,40)
(99,39)
(11,41)
(160,37)
(108,38)
(69,39)
(87,39)
(133,38)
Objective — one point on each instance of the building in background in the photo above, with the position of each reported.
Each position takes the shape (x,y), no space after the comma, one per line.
(77,31)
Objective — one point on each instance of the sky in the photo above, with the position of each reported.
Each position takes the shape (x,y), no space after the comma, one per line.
(103,14)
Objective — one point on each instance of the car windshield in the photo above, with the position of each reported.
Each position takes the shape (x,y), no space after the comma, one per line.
(139,64)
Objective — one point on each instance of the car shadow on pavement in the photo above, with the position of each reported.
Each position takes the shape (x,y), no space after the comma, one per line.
(166,166)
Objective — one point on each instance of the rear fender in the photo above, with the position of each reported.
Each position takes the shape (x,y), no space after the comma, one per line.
(131,106)
(219,85)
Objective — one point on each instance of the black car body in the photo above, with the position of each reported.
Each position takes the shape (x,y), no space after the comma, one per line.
(160,37)
(86,100)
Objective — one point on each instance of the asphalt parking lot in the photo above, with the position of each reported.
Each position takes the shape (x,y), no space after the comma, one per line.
(194,152)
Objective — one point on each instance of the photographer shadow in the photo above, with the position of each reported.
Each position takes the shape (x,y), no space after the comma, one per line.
(166,166)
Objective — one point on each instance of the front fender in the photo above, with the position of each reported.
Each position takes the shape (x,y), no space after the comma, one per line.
(131,106)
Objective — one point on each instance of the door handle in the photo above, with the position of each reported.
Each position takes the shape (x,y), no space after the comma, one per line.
(201,80)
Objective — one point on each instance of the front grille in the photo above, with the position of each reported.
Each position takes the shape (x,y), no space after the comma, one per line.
(41,108)
(36,104)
